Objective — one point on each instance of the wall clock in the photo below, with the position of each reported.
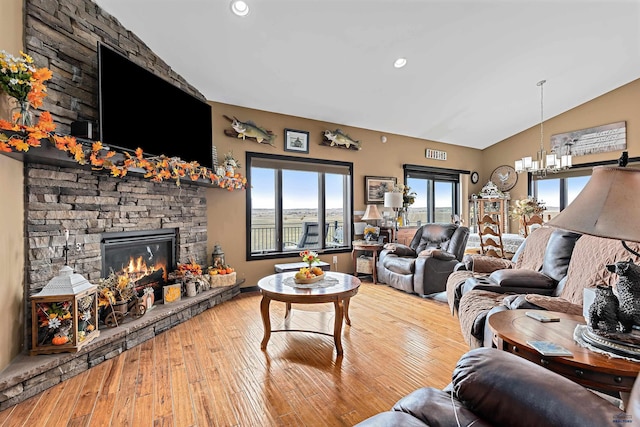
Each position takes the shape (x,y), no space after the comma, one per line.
(504,177)
(475,177)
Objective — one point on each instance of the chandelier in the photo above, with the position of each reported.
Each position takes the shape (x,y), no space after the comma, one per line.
(545,163)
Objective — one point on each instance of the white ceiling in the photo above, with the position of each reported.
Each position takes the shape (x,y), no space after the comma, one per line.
(472,65)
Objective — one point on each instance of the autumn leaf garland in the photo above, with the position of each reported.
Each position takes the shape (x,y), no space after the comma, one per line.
(158,169)
(20,79)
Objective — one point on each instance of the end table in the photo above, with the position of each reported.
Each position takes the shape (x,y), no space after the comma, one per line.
(363,245)
(512,329)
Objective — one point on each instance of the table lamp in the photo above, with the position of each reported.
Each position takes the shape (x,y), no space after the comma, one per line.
(394,200)
(371,214)
(607,207)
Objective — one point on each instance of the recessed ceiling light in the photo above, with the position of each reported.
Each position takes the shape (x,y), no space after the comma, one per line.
(400,62)
(240,8)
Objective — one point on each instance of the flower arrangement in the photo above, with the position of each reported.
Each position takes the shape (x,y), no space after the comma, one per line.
(310,257)
(408,196)
(527,206)
(115,288)
(20,79)
(191,267)
(56,317)
(55,320)
(371,233)
(229,160)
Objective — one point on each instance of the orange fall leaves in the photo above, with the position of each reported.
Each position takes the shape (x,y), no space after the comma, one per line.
(157,169)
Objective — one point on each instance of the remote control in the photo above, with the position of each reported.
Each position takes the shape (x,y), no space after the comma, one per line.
(542,317)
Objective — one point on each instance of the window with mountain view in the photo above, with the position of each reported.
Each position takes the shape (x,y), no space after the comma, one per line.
(297,203)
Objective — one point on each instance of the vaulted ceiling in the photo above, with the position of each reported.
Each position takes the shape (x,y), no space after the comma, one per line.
(472,66)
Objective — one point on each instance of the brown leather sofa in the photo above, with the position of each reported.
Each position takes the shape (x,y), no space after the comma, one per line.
(548,280)
(424,265)
(494,388)
(584,260)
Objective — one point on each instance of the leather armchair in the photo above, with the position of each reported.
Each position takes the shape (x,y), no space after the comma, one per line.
(494,388)
(424,266)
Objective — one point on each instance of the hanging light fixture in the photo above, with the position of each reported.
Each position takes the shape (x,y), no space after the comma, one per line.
(544,163)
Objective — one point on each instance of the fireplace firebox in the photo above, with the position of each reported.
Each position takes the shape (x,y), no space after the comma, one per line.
(145,256)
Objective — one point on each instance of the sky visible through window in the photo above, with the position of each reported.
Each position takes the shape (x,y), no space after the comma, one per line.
(300,189)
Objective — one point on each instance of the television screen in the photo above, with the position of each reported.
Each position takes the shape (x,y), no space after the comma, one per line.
(139,109)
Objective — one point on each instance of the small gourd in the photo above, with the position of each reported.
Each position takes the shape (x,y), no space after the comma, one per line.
(60,340)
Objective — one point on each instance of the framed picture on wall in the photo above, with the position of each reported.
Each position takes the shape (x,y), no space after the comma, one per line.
(296,140)
(375,187)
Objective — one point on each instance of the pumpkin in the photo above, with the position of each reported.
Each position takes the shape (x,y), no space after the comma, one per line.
(229,270)
(60,340)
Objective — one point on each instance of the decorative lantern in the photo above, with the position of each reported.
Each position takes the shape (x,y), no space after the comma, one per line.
(64,314)
(218,256)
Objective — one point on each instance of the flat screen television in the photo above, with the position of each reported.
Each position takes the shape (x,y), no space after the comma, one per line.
(139,109)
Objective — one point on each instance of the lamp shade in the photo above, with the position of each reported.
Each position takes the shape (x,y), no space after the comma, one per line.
(371,214)
(606,207)
(393,200)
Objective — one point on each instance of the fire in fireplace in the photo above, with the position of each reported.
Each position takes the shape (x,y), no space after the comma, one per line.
(145,256)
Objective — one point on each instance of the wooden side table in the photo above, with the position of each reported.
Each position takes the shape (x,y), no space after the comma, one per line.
(512,329)
(363,245)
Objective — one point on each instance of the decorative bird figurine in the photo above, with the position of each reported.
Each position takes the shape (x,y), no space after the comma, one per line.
(504,176)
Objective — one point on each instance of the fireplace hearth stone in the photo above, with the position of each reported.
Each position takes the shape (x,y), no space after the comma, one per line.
(27,375)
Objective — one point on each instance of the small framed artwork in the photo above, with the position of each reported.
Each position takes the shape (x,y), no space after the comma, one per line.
(375,187)
(296,140)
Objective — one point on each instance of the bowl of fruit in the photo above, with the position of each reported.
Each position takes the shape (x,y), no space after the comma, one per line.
(308,275)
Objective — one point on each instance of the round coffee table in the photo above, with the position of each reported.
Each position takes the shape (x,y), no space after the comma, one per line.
(512,329)
(337,288)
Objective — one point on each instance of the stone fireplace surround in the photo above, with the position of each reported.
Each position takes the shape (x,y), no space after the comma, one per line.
(62,35)
(88,204)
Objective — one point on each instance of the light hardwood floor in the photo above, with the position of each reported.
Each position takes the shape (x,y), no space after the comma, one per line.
(210,370)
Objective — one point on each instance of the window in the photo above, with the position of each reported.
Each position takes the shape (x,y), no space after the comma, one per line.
(558,191)
(437,194)
(297,203)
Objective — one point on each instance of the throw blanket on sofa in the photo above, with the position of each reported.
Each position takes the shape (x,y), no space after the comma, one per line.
(530,258)
(473,310)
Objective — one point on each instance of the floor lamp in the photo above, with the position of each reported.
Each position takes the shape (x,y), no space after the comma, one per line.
(394,200)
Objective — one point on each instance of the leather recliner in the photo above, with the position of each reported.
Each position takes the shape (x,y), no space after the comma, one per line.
(491,387)
(424,266)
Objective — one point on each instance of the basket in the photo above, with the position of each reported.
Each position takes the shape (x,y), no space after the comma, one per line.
(364,264)
(223,279)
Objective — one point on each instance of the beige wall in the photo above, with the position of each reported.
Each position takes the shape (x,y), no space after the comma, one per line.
(227,218)
(12,214)
(618,105)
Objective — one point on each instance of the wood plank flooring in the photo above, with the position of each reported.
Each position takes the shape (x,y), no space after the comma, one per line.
(210,371)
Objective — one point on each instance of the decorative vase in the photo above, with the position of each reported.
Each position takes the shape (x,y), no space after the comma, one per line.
(191,289)
(25,114)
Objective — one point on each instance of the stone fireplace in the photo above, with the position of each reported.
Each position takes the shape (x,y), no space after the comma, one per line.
(94,206)
(130,214)
(146,257)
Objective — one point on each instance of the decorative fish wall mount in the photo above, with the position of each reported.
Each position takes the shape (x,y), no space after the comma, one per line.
(337,138)
(249,130)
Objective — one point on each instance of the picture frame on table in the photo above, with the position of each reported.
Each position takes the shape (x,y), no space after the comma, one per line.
(376,186)
(296,140)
